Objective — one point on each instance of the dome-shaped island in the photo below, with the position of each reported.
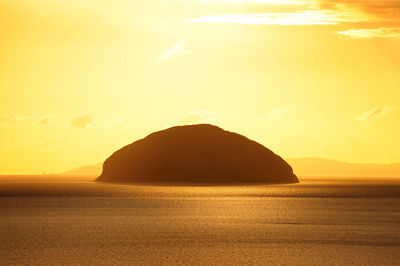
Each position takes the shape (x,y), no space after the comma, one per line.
(196,154)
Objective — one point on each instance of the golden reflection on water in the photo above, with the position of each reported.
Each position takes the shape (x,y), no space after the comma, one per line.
(314,222)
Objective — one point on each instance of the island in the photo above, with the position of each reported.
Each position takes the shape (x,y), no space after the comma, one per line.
(196,154)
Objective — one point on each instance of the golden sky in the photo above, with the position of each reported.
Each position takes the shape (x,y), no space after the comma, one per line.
(306,78)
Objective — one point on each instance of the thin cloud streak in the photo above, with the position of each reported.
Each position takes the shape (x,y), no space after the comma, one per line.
(178,49)
(375,113)
(270,2)
(308,17)
(369,33)
(310,12)
(278,2)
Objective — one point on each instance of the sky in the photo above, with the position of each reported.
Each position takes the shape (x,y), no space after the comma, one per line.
(305,78)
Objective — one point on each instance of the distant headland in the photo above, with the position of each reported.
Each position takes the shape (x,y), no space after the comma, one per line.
(196,154)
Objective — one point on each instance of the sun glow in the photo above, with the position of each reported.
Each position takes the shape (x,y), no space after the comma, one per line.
(80,79)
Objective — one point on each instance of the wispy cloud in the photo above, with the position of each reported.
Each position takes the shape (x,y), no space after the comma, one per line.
(369,33)
(179,48)
(375,113)
(307,17)
(14,119)
(10,118)
(274,2)
(279,112)
(307,12)
(198,117)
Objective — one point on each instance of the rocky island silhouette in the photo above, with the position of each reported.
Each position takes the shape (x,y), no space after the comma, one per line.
(196,154)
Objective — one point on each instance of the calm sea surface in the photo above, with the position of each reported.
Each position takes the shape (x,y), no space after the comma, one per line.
(317,222)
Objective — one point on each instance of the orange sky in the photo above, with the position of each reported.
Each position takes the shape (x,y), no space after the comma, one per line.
(306,78)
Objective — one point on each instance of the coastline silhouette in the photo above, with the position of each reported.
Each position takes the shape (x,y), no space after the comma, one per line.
(303,167)
(193,154)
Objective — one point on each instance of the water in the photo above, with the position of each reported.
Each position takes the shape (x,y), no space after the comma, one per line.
(319,221)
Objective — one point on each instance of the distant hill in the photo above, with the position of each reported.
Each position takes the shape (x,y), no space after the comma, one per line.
(326,167)
(91,169)
(301,167)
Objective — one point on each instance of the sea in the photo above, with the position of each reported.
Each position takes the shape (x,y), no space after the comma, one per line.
(69,220)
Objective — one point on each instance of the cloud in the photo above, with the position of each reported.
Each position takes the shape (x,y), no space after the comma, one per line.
(178,49)
(369,33)
(274,2)
(383,10)
(308,17)
(308,12)
(279,112)
(14,119)
(87,121)
(44,120)
(198,117)
(10,118)
(82,121)
(375,113)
